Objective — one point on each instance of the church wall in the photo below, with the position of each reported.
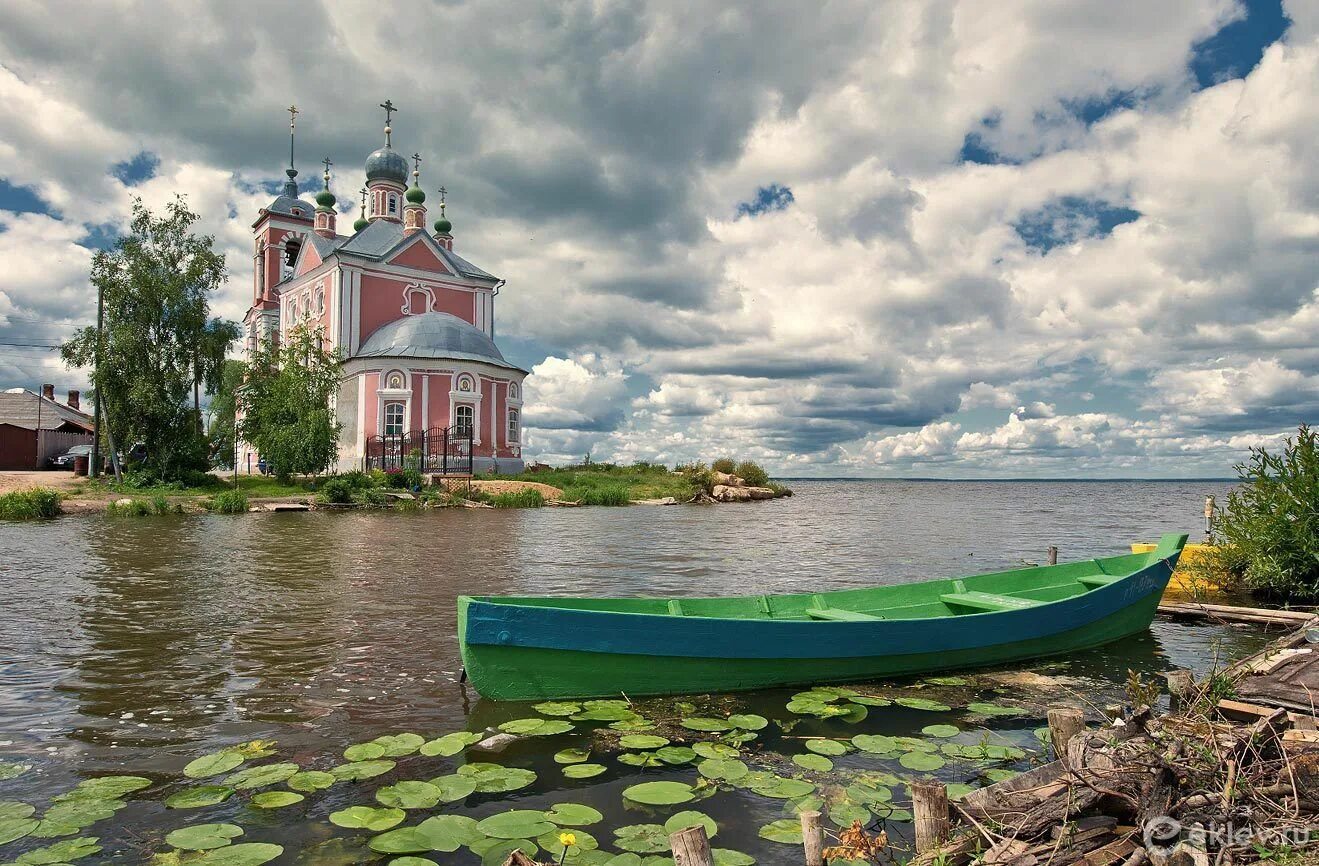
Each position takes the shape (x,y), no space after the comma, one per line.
(456,303)
(383,300)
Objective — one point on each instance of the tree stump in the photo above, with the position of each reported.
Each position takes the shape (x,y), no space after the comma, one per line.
(1064,723)
(812,838)
(930,806)
(691,847)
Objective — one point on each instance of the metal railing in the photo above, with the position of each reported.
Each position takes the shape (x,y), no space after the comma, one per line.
(437,451)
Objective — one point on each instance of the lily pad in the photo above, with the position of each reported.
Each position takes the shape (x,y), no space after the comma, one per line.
(409,795)
(494,852)
(198,796)
(583,771)
(276,799)
(213,764)
(705,723)
(262,775)
(557,708)
(12,770)
(748,721)
(676,755)
(922,704)
(722,769)
(944,731)
(10,809)
(785,830)
(244,854)
(367,818)
(642,741)
(61,852)
(922,761)
(553,842)
(409,860)
(16,828)
(203,837)
(691,818)
(945,681)
(572,756)
(959,790)
(454,787)
(999,775)
(642,838)
(515,824)
(398,745)
(784,789)
(494,779)
(631,725)
(659,794)
(845,812)
(877,744)
(449,744)
(830,748)
(445,833)
(364,752)
(356,771)
(729,857)
(536,727)
(812,761)
(640,759)
(868,794)
(715,750)
(573,815)
(108,787)
(311,780)
(987,709)
(871,701)
(605,714)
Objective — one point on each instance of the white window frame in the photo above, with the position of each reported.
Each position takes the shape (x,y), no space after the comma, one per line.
(402,417)
(470,410)
(393,203)
(514,425)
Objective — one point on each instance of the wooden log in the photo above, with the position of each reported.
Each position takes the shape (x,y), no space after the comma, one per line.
(691,847)
(1180,684)
(812,838)
(929,805)
(1053,555)
(955,851)
(1064,723)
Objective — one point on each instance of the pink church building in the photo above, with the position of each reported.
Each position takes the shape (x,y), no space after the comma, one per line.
(413,321)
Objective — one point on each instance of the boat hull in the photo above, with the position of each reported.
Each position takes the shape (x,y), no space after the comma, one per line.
(515,653)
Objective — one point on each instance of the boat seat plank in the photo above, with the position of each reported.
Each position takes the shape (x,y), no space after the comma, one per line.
(675,608)
(988,601)
(837,614)
(1098,580)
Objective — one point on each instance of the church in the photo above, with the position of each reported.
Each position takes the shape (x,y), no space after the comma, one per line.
(412,321)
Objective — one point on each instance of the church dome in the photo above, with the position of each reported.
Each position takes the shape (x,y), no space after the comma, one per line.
(385,164)
(415,194)
(433,335)
(443,226)
(325,198)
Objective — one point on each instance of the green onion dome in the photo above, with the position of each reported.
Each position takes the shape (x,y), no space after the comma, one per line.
(415,195)
(442,226)
(360,223)
(325,199)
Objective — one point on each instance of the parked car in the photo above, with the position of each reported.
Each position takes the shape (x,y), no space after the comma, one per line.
(65,460)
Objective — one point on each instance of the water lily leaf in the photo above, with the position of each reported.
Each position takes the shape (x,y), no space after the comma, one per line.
(642,838)
(581,841)
(783,789)
(940,731)
(877,744)
(398,745)
(61,852)
(844,813)
(945,681)
(786,830)
(409,795)
(715,750)
(14,809)
(605,714)
(637,724)
(753,778)
(922,761)
(311,780)
(996,752)
(829,748)
(522,726)
(367,818)
(412,861)
(691,818)
(515,824)
(729,857)
(262,775)
(12,770)
(364,752)
(573,815)
(107,787)
(725,769)
(276,799)
(642,741)
(339,851)
(624,860)
(16,828)
(494,852)
(916,744)
(705,723)
(202,795)
(676,755)
(557,708)
(891,813)
(494,779)
(959,790)
(871,701)
(441,833)
(748,721)
(640,759)
(922,704)
(449,744)
(999,775)
(256,749)
(572,756)
(78,814)
(244,854)
(812,761)
(213,764)
(986,709)
(659,794)
(583,771)
(454,787)
(203,837)
(356,771)
(867,794)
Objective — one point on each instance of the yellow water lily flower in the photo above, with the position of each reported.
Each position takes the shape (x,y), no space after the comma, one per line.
(566,839)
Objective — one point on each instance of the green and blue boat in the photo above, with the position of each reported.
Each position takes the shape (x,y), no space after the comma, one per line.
(536,648)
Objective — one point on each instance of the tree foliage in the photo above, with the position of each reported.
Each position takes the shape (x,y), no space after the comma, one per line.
(1270,526)
(285,404)
(159,340)
(224,411)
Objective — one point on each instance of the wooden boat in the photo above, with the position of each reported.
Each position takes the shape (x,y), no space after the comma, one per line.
(534,648)
(1194,575)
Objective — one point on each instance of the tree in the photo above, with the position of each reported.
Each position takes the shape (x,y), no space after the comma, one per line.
(224,412)
(159,341)
(285,404)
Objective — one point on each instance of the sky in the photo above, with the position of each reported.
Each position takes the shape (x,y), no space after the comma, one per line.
(927,239)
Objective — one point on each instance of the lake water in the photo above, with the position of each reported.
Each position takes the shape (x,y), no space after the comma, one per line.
(135,645)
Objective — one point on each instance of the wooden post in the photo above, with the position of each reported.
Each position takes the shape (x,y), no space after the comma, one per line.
(1053,555)
(1180,684)
(691,847)
(812,838)
(929,804)
(1064,723)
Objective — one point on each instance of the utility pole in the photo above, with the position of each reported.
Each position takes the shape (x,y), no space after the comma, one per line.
(94,467)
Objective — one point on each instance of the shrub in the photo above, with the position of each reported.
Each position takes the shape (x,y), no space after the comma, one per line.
(229,502)
(408,506)
(129,508)
(528,498)
(725,465)
(700,476)
(357,479)
(337,491)
(752,474)
(1270,527)
(605,494)
(161,505)
(197,478)
(34,503)
(370,496)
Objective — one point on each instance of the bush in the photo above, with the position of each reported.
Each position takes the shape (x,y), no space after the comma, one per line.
(529,498)
(130,508)
(229,502)
(358,480)
(161,505)
(725,465)
(370,496)
(700,476)
(606,494)
(752,474)
(1270,527)
(34,503)
(337,491)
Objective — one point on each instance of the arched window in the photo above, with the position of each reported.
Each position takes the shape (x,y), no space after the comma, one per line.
(393,203)
(513,425)
(464,418)
(320,302)
(393,419)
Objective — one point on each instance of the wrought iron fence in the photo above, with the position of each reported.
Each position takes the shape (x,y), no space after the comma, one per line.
(437,451)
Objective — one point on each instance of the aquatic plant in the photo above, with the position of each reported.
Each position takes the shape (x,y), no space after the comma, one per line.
(603,494)
(229,502)
(33,503)
(129,508)
(527,498)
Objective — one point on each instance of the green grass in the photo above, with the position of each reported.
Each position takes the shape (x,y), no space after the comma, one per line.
(34,503)
(608,484)
(229,502)
(253,486)
(529,498)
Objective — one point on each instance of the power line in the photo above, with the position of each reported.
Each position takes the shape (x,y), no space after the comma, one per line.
(32,345)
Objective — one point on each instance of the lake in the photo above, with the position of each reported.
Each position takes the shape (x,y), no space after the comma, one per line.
(134,645)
